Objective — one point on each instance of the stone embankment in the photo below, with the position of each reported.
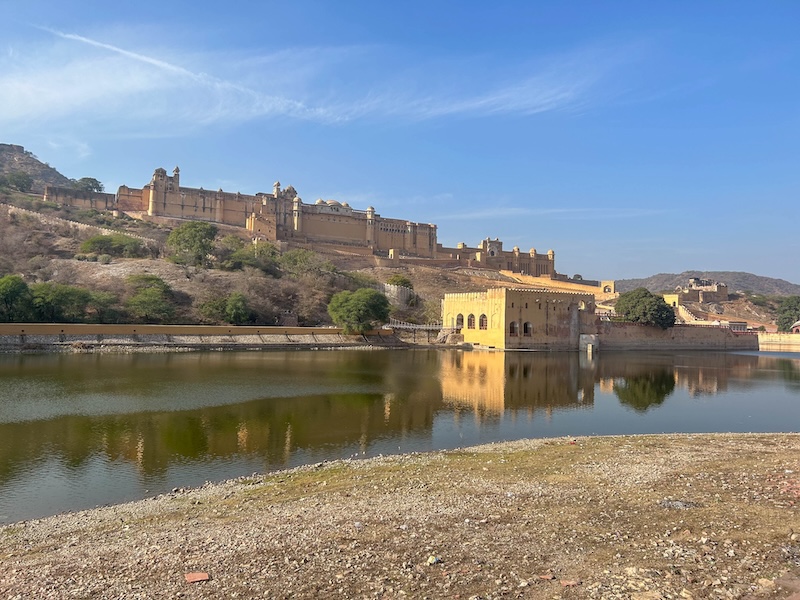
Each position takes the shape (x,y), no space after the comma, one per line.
(779,342)
(632,336)
(42,337)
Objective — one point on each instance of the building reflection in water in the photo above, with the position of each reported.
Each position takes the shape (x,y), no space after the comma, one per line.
(491,383)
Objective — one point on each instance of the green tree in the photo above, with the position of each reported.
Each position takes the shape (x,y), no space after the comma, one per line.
(102,308)
(15,299)
(642,306)
(788,312)
(359,311)
(59,303)
(88,184)
(20,181)
(236,311)
(401,280)
(151,300)
(232,309)
(191,243)
(150,306)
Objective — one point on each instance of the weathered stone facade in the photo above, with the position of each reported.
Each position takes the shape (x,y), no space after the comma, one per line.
(277,216)
(283,216)
(489,254)
(703,290)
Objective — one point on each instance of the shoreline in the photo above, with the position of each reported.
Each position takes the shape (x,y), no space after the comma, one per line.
(646,516)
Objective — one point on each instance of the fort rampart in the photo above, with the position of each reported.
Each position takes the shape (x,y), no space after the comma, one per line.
(282,216)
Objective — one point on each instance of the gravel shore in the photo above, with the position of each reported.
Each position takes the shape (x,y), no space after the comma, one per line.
(634,517)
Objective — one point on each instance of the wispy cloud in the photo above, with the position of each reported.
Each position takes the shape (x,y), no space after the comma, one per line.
(85,79)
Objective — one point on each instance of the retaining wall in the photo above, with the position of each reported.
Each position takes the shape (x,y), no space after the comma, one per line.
(630,336)
(779,342)
(48,337)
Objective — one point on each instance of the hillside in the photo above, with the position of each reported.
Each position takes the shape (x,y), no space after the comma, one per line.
(16,158)
(737,281)
(45,247)
(41,252)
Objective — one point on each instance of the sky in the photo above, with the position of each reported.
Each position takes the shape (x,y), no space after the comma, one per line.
(632,138)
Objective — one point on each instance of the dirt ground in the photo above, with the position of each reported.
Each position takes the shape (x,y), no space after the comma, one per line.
(642,518)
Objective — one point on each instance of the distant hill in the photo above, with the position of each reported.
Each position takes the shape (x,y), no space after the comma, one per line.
(737,281)
(16,158)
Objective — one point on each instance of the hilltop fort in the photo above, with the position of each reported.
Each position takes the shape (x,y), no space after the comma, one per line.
(282,217)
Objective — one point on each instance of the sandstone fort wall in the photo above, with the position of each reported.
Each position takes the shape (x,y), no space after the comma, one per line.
(282,216)
(631,336)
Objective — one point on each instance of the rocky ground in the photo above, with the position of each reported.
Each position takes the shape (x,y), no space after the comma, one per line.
(645,517)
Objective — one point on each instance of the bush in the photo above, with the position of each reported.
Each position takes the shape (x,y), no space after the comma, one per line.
(401,280)
(104,259)
(114,245)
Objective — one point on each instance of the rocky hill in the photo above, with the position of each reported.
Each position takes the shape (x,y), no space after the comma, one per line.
(737,281)
(15,158)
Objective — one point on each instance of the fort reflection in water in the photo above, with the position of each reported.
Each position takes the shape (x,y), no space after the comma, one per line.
(163,421)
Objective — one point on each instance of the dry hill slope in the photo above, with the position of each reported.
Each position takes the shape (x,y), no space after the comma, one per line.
(737,281)
(16,158)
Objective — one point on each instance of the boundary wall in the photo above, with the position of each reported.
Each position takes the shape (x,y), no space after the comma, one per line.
(48,337)
(59,221)
(631,336)
(779,342)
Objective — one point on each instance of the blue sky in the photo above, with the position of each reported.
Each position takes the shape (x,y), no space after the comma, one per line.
(630,137)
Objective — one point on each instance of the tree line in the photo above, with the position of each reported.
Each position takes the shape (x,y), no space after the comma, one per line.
(23,182)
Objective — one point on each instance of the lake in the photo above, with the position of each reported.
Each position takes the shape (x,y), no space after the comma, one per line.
(82,430)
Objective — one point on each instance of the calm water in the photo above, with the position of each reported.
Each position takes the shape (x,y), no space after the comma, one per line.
(78,431)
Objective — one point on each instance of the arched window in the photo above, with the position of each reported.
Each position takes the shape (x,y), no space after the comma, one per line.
(459,321)
(527,328)
(513,329)
(483,322)
(471,322)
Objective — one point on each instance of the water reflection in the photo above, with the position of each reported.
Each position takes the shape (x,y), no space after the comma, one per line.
(495,382)
(104,428)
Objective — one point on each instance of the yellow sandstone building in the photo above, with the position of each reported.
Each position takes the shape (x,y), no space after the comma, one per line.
(520,318)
